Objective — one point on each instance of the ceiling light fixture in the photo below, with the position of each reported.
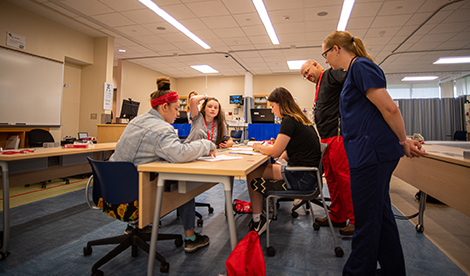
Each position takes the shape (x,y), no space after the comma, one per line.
(168,18)
(122,50)
(419,78)
(263,14)
(453,60)
(206,69)
(295,64)
(345,14)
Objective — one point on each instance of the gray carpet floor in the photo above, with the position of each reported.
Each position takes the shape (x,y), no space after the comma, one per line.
(48,236)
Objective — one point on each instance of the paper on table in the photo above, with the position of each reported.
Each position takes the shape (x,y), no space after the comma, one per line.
(247,152)
(218,158)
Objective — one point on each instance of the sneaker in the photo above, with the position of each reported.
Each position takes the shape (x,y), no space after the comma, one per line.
(297,201)
(193,246)
(271,207)
(348,230)
(146,230)
(324,222)
(259,226)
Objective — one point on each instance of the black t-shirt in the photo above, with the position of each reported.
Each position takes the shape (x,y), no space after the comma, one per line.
(303,148)
(327,108)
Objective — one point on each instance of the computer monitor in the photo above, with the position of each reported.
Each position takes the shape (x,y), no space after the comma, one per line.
(262,116)
(129,109)
(236,99)
(82,135)
(182,118)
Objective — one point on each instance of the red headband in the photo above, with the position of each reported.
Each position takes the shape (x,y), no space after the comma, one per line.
(167,98)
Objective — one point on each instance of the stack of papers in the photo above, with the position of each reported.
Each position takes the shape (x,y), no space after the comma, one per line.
(218,158)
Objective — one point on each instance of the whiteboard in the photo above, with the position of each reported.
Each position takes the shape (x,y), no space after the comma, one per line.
(30,89)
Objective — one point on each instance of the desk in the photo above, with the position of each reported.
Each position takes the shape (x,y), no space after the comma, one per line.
(109,133)
(198,171)
(443,174)
(36,166)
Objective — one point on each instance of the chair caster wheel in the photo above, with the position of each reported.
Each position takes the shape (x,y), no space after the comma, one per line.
(419,228)
(200,222)
(179,242)
(316,226)
(211,210)
(97,273)
(339,252)
(295,214)
(87,250)
(3,255)
(271,251)
(165,267)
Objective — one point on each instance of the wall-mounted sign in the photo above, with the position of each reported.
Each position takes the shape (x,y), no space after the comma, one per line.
(16,41)
(108,96)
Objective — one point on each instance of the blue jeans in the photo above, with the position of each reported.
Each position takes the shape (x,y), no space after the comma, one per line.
(300,181)
(187,213)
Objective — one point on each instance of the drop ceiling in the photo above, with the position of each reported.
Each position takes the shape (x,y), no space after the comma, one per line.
(405,37)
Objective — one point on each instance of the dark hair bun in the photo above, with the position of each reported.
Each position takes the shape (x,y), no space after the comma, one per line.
(163,82)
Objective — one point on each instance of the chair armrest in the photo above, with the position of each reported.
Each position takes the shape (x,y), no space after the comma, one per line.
(312,169)
(90,203)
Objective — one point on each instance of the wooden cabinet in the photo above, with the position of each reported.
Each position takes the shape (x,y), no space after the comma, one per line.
(183,103)
(260,101)
(109,133)
(23,132)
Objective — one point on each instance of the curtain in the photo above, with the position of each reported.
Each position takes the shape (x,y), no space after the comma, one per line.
(435,119)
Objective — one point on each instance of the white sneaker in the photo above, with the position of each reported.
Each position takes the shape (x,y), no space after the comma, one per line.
(297,201)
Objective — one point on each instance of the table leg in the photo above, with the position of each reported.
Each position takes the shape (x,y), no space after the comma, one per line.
(156,218)
(228,184)
(422,207)
(6,211)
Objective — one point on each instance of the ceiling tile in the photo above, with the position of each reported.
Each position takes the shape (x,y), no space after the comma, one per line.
(217,22)
(114,19)
(87,7)
(208,8)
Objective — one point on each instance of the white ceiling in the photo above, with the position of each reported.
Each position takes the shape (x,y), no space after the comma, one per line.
(405,37)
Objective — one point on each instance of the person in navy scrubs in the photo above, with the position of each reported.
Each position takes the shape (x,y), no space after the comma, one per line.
(375,140)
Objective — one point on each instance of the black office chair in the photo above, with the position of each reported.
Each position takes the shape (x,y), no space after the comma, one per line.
(460,136)
(307,196)
(115,187)
(37,137)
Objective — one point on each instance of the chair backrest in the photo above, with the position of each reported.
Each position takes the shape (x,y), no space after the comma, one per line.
(237,134)
(38,136)
(115,182)
(460,136)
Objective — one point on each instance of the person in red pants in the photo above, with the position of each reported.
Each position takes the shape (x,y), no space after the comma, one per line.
(329,84)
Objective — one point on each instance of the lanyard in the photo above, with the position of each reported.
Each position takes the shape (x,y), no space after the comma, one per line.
(212,135)
(318,87)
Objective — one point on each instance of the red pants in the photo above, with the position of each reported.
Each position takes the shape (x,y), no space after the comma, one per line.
(336,168)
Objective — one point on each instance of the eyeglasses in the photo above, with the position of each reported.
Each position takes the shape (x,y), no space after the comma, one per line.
(306,72)
(324,53)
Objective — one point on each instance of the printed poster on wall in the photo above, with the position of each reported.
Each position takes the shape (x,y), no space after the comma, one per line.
(108,96)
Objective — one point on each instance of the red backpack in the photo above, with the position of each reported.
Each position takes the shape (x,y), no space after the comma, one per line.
(247,258)
(241,206)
